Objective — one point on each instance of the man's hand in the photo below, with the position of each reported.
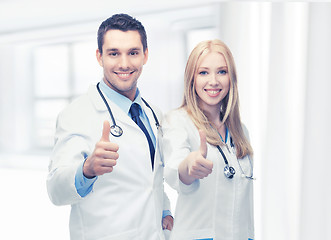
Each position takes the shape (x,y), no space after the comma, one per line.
(104,156)
(168,222)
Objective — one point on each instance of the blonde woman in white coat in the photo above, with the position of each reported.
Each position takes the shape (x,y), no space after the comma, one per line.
(208,156)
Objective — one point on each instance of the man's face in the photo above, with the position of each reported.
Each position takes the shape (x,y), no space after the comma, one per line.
(122,61)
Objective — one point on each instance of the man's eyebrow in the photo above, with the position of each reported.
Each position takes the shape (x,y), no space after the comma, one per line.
(129,50)
(111,49)
(135,49)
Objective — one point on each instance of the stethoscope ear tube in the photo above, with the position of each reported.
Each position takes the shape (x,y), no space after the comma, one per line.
(154,115)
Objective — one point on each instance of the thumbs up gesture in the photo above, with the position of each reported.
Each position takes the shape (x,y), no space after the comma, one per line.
(195,165)
(104,156)
(203,144)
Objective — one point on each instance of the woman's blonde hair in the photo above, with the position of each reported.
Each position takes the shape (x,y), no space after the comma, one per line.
(229,110)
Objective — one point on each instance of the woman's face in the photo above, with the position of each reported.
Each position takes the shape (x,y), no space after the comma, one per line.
(212,82)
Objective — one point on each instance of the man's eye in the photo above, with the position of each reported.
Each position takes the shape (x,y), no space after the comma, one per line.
(113,54)
(133,53)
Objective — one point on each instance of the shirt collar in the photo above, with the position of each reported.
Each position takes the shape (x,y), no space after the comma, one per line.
(121,101)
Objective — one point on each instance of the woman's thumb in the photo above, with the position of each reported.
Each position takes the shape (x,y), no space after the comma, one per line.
(203,143)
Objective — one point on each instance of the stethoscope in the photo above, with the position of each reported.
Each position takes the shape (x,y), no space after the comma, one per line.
(116,130)
(229,171)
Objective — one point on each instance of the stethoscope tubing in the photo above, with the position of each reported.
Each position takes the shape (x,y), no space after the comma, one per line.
(223,155)
(230,171)
(116,130)
(107,105)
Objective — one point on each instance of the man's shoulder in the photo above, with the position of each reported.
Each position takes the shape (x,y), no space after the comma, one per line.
(80,105)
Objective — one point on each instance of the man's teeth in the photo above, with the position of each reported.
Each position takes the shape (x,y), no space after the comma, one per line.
(123,74)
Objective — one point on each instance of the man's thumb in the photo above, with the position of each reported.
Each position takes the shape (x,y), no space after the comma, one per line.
(105,131)
(203,143)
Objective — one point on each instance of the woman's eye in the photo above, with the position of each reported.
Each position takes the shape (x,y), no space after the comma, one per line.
(223,72)
(203,72)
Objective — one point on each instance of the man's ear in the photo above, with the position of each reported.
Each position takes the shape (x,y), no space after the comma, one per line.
(145,56)
(99,57)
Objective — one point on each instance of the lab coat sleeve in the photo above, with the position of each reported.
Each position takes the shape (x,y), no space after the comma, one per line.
(166,203)
(68,153)
(177,145)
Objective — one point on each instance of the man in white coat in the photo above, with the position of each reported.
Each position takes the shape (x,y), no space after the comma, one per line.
(112,177)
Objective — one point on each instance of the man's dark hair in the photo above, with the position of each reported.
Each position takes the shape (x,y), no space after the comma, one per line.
(122,22)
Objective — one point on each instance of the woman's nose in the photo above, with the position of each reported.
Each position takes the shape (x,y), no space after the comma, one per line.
(213,79)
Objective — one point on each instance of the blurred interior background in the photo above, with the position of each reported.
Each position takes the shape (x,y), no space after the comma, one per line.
(283,55)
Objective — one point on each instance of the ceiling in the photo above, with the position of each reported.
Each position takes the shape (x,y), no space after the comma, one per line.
(21,15)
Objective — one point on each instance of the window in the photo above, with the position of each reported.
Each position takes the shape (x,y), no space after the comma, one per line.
(194,36)
(61,72)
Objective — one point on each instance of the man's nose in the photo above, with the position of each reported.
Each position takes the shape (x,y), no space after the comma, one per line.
(124,62)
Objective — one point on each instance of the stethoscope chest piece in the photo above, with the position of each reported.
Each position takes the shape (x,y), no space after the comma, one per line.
(229,172)
(116,131)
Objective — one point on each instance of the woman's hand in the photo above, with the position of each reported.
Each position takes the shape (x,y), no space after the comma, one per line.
(195,165)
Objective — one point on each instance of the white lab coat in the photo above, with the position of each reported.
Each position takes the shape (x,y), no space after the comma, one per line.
(125,204)
(214,207)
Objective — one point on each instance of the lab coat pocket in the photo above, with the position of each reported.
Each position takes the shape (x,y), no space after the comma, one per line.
(194,234)
(128,235)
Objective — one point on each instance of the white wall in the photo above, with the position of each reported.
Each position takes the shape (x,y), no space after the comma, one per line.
(315,188)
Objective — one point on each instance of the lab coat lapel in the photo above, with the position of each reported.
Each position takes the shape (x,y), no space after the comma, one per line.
(96,99)
(99,104)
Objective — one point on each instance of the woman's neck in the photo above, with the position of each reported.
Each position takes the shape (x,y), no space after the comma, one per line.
(215,120)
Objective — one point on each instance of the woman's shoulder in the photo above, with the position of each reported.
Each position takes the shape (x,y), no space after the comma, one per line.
(245,130)
(175,115)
